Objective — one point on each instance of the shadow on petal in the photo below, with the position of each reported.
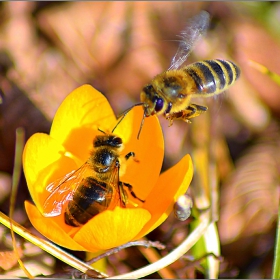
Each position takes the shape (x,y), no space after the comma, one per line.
(112,228)
(143,172)
(83,111)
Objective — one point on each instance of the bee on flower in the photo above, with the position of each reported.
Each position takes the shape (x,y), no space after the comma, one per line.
(137,198)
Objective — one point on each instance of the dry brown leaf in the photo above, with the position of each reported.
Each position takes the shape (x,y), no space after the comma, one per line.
(8,259)
(249,198)
(115,46)
(39,69)
(110,43)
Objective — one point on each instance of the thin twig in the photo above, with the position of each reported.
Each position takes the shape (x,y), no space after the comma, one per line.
(48,246)
(174,255)
(145,243)
(153,256)
(197,261)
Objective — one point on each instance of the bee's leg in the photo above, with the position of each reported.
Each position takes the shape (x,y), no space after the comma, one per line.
(194,111)
(176,115)
(129,155)
(190,112)
(123,194)
(170,117)
(132,192)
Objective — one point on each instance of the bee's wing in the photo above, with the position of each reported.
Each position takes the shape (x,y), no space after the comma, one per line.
(115,180)
(196,27)
(62,190)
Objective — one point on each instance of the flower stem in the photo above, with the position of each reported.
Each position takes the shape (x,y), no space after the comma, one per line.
(20,135)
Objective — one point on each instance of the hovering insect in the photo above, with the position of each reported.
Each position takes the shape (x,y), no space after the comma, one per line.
(170,92)
(92,188)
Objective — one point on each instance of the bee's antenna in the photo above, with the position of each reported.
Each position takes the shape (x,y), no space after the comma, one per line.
(101,130)
(125,113)
(141,125)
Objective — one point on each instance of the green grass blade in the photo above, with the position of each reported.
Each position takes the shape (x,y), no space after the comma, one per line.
(276,263)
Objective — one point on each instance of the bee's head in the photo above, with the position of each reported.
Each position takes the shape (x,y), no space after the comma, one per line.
(107,140)
(152,102)
(114,141)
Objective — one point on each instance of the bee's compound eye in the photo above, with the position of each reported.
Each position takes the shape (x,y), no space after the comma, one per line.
(117,141)
(114,141)
(159,104)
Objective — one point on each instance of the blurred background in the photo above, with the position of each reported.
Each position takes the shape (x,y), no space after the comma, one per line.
(47,49)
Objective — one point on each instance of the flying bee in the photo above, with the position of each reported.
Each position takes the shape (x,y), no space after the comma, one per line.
(92,188)
(170,92)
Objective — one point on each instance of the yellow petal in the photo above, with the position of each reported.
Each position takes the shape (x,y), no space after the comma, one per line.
(171,184)
(50,229)
(81,113)
(143,173)
(112,228)
(44,162)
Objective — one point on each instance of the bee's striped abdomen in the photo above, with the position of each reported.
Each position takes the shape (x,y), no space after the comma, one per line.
(91,198)
(213,76)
